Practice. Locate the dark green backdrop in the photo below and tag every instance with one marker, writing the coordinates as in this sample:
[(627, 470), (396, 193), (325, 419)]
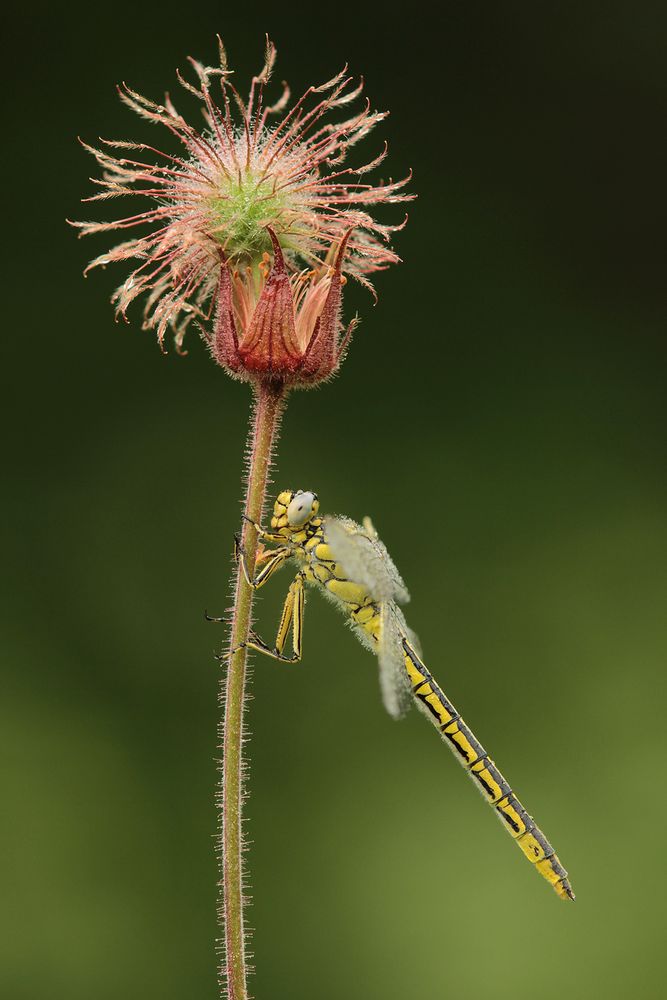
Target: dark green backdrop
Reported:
[(510, 389)]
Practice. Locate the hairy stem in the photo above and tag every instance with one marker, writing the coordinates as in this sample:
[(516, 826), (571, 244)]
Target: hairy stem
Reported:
[(233, 969)]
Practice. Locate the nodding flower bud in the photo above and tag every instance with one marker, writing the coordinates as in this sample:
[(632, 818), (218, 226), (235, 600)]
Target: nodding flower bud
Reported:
[(279, 326), (242, 187)]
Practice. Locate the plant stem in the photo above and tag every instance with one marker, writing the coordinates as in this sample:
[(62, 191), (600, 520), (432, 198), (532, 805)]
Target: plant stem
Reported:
[(269, 398)]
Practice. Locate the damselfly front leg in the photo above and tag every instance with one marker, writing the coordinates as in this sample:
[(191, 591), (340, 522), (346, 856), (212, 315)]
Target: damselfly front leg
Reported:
[(271, 561), (263, 534)]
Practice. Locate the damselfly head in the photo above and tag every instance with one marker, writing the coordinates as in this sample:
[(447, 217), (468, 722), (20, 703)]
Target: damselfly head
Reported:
[(294, 508)]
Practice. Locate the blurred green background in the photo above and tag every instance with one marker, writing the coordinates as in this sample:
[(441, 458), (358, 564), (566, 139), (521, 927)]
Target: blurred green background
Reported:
[(501, 416)]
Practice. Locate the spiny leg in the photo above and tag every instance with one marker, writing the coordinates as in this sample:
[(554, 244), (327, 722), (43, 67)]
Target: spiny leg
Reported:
[(292, 616), (272, 561), (262, 533)]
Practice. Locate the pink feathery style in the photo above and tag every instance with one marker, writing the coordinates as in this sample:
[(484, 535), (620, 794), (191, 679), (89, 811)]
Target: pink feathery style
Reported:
[(255, 227)]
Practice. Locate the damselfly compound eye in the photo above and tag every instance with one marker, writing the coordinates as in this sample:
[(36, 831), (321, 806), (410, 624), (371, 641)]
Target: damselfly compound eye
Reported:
[(302, 508)]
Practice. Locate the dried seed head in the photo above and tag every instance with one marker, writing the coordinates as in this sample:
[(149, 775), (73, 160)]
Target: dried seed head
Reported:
[(247, 189)]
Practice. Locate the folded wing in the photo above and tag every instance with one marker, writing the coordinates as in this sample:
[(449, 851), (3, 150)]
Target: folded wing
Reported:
[(394, 682), (365, 559)]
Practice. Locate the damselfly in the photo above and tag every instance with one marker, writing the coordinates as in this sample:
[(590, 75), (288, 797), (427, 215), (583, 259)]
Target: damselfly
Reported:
[(351, 566)]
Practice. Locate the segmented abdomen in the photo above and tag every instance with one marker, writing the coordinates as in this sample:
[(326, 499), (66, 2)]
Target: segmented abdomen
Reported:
[(485, 774)]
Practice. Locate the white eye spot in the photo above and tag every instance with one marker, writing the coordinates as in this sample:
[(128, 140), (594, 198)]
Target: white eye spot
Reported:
[(300, 508)]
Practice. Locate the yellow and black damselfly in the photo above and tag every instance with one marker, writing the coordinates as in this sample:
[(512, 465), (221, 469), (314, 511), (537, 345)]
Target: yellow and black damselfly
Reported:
[(352, 567)]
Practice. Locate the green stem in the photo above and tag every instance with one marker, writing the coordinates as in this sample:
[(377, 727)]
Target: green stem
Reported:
[(269, 400)]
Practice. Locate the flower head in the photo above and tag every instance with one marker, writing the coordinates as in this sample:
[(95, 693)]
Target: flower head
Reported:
[(255, 225)]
